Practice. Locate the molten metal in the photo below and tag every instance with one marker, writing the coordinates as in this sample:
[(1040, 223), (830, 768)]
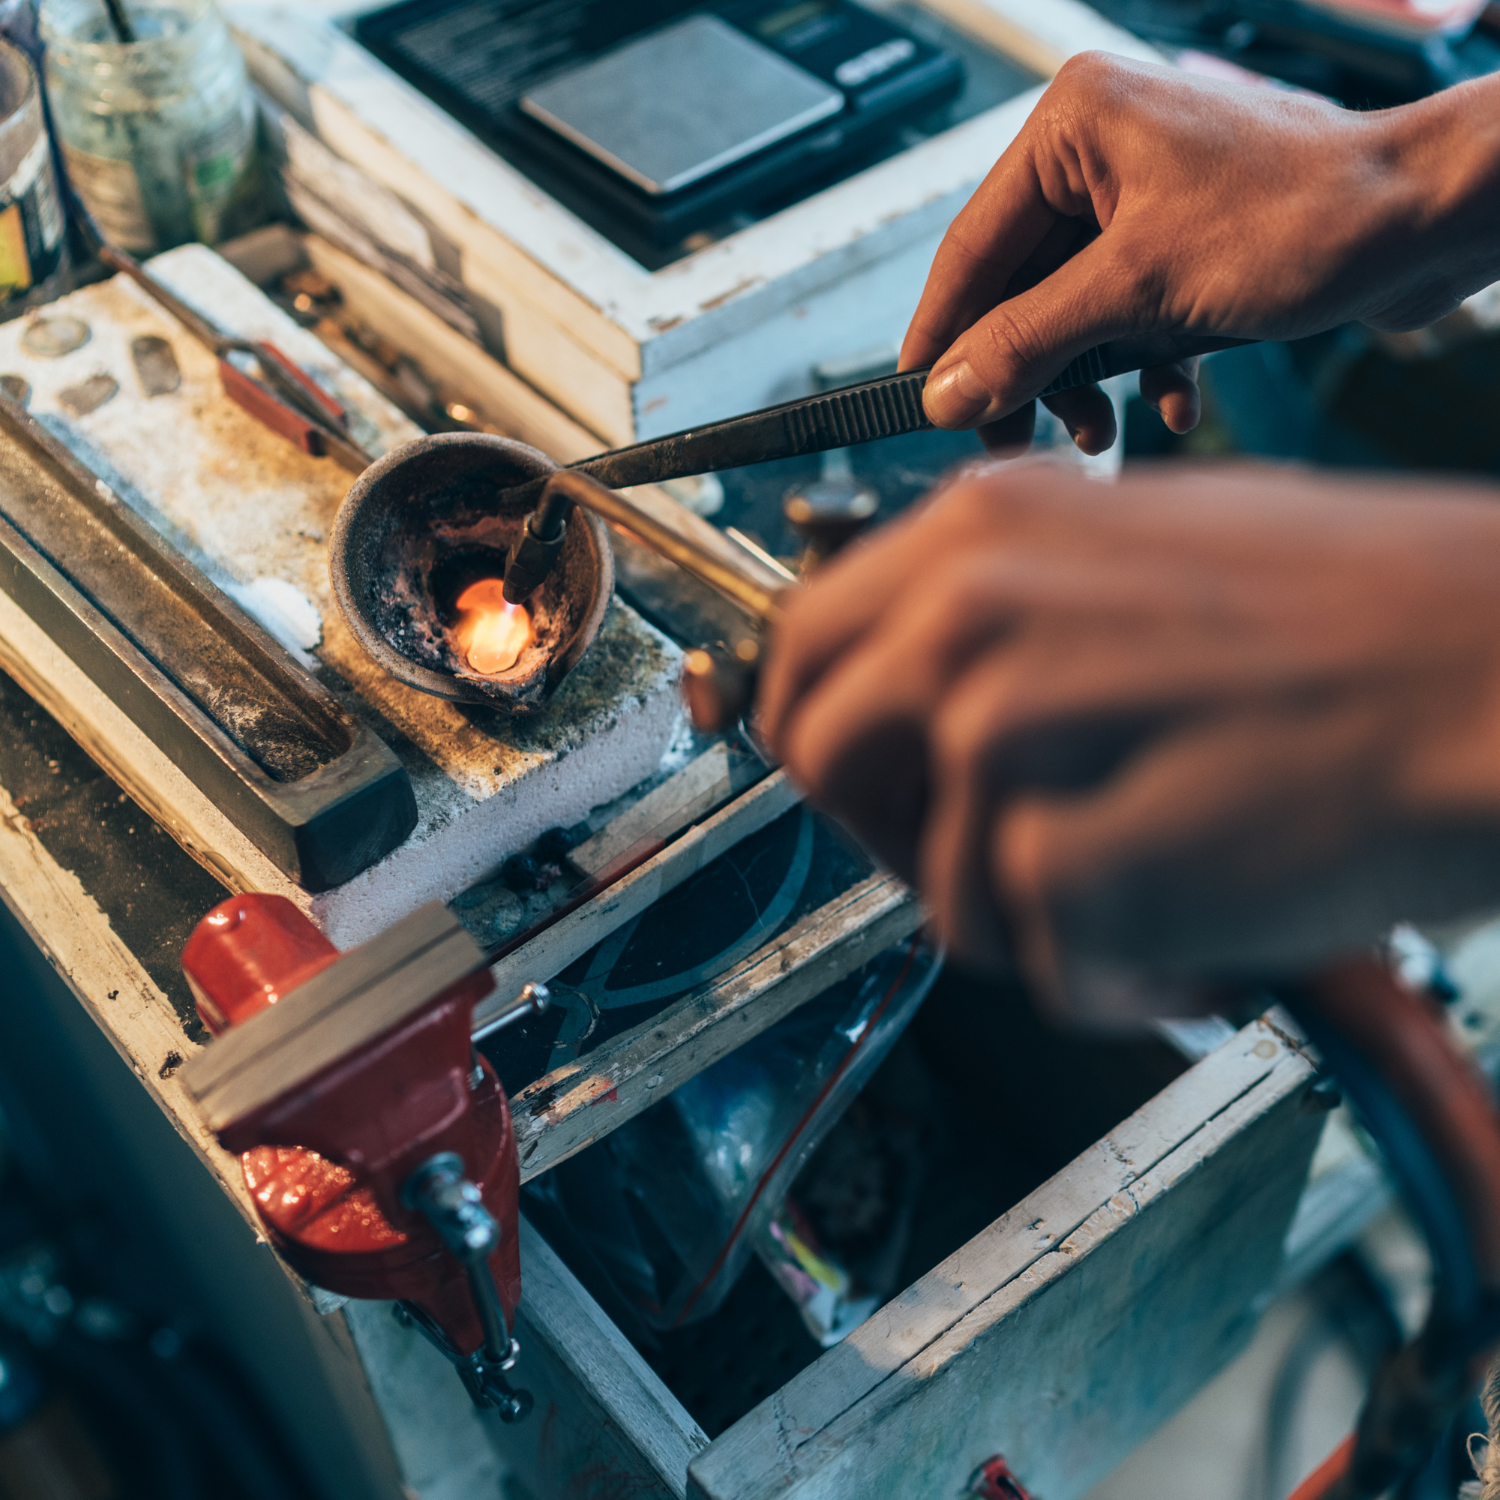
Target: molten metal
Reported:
[(490, 632)]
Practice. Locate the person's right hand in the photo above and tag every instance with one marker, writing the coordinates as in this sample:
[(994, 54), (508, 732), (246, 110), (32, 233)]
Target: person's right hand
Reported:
[(1137, 201)]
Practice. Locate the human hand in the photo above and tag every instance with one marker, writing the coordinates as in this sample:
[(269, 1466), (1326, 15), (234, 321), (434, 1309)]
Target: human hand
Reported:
[(1196, 723), (1139, 202)]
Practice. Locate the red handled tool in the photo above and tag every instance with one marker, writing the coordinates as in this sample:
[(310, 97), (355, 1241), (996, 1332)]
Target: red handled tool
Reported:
[(255, 374), (376, 1143)]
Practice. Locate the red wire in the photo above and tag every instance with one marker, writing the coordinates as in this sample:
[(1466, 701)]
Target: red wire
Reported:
[(1327, 1474), (787, 1144)]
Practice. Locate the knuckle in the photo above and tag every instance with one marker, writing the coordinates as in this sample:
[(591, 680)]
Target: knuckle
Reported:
[(1012, 343)]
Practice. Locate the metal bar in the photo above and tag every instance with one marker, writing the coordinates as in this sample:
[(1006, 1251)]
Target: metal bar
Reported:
[(570, 487)]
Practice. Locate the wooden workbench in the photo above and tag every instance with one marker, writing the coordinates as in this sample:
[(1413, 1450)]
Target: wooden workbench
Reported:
[(1042, 1329)]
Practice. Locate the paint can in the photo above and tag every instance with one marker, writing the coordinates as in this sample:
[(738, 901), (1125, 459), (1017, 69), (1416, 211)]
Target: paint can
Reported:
[(33, 248)]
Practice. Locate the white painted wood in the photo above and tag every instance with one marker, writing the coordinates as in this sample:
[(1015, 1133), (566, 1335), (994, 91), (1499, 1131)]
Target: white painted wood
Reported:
[(462, 370), (604, 1423), (702, 784), (440, 1441), (550, 952), (1070, 1328), (75, 936), (576, 1104), (589, 326)]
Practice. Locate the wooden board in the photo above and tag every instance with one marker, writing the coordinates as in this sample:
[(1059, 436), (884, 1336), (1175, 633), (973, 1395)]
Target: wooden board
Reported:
[(550, 952), (635, 353), (576, 1104), (1074, 1325)]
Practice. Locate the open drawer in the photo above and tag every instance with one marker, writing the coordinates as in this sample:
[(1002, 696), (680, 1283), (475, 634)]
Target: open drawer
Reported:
[(1058, 1336)]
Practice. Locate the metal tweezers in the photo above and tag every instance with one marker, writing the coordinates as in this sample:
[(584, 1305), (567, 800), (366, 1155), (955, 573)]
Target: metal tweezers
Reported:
[(885, 407)]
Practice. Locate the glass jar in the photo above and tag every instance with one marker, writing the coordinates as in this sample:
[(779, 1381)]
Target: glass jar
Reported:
[(158, 134), (32, 252)]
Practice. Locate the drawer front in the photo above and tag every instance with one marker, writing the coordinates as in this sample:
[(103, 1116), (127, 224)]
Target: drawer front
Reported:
[(1073, 1326), (1043, 1338)]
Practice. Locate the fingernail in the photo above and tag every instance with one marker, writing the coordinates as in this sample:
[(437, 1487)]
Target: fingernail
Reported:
[(954, 397)]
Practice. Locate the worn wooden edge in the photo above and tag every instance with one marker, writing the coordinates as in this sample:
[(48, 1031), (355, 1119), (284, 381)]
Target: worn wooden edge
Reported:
[(536, 252), (130, 757), (462, 369), (934, 1320), (551, 951), (575, 1105), (1041, 37), (1069, 1310), (601, 1358), (76, 937), (680, 800)]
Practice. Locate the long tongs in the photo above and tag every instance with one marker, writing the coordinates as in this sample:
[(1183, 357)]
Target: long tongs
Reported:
[(255, 374)]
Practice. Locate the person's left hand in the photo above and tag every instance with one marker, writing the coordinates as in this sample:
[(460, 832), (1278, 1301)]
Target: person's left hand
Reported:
[(1196, 722)]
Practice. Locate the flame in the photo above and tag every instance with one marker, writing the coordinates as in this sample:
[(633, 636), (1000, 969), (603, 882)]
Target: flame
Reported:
[(491, 632)]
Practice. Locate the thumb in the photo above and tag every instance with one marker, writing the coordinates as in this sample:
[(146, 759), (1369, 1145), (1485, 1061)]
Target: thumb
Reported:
[(1019, 346)]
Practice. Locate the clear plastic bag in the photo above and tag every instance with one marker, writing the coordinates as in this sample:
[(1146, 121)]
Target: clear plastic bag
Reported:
[(667, 1210)]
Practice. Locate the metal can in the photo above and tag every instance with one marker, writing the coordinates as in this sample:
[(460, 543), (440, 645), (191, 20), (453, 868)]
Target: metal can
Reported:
[(32, 248)]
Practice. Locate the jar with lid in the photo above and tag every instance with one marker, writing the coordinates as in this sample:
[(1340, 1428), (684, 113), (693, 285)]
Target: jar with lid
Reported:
[(32, 250), (157, 134)]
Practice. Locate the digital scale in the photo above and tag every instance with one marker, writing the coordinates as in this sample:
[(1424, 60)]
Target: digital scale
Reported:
[(665, 117)]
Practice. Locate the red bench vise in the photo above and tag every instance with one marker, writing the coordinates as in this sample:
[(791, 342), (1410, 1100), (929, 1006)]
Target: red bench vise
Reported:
[(375, 1141)]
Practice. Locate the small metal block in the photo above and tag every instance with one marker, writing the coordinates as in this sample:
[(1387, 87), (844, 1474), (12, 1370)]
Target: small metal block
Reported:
[(156, 365), (88, 395), (51, 338)]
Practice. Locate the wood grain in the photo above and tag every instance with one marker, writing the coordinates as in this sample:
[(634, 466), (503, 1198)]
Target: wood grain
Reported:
[(1044, 1337), (575, 1105)]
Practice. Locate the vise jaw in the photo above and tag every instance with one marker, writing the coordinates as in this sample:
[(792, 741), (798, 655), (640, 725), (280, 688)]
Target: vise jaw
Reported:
[(375, 1142)]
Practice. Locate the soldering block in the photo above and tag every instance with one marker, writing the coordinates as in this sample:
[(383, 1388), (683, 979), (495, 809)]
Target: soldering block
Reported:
[(255, 513)]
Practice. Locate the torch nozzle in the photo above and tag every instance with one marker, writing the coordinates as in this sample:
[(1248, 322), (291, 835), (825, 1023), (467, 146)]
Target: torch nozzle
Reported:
[(542, 538)]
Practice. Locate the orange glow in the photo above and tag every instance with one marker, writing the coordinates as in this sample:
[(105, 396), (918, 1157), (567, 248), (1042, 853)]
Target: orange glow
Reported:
[(491, 632)]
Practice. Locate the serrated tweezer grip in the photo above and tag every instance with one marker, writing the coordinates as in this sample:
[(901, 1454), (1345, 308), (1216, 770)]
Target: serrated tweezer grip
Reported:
[(886, 407)]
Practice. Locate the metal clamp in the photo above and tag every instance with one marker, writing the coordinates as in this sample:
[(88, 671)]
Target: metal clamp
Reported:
[(453, 1205)]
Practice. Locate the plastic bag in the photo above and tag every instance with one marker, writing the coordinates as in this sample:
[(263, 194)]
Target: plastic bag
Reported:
[(667, 1210)]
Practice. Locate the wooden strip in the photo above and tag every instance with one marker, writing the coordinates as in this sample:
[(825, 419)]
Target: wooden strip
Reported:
[(1021, 1237), (1041, 37), (66, 924), (573, 1106), (461, 369), (617, 1409), (1072, 1343), (551, 951), (702, 784)]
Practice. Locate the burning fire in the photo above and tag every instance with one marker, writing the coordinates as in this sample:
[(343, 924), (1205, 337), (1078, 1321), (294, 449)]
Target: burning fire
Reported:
[(491, 632)]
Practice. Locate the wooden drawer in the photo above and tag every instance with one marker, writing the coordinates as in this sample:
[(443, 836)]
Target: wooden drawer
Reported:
[(1059, 1336)]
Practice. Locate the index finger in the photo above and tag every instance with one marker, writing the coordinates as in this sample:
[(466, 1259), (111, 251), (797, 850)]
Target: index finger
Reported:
[(1008, 222)]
